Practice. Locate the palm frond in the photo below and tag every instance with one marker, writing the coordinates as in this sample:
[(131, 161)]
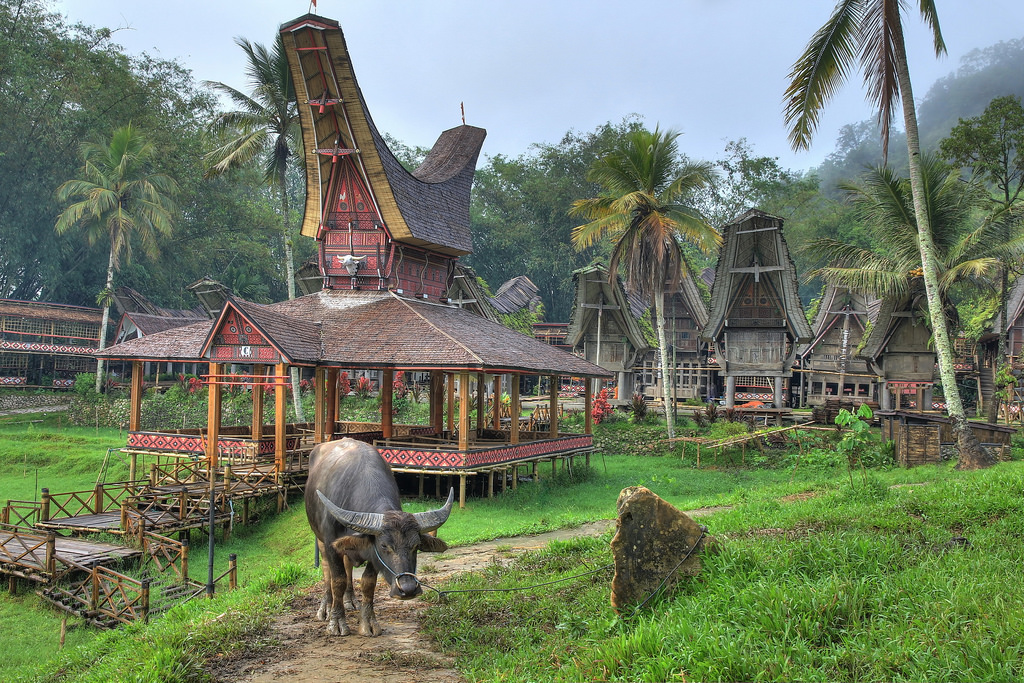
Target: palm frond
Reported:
[(821, 70)]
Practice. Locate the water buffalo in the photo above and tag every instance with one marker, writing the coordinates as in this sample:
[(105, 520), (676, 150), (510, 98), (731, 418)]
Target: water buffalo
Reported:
[(353, 507)]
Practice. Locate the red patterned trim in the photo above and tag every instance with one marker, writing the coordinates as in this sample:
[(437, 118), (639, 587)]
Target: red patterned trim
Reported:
[(191, 443), (6, 345), (13, 381), (408, 457)]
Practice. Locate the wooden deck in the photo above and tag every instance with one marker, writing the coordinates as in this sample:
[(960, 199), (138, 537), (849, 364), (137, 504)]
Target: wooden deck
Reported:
[(39, 556)]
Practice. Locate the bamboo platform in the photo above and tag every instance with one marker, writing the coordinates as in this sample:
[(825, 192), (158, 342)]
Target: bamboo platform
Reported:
[(28, 554)]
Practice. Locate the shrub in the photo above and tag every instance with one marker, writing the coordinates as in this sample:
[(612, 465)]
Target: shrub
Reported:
[(363, 388), (602, 408), (638, 407), (344, 385)]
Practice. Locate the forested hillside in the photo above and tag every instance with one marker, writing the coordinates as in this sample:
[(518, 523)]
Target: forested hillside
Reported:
[(62, 85)]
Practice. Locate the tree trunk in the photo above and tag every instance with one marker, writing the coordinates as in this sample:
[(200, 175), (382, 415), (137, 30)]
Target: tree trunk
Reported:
[(289, 268), (100, 363), (972, 454), (659, 315), (994, 403)]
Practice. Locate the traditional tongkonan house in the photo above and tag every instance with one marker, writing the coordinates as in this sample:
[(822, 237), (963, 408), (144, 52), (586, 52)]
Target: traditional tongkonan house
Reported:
[(604, 327), (898, 350), (829, 367), (388, 244), (685, 317), (756, 322)]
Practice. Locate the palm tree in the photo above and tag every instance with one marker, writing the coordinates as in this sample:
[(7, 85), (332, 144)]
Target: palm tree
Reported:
[(643, 182), (121, 200), (883, 201), (263, 129), (871, 32)]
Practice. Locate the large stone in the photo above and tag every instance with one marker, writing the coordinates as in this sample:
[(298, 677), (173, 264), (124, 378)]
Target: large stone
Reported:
[(650, 542)]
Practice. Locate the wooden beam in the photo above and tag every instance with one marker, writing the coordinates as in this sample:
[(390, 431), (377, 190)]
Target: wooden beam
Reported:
[(387, 388), (213, 420), (280, 416), (463, 411), (513, 436), (135, 411), (496, 418), (319, 403), (451, 401), (437, 400), (553, 407), (257, 401), (481, 402), (332, 403)]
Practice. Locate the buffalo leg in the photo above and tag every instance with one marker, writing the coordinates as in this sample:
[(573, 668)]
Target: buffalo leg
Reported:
[(368, 625), (336, 625), (325, 600), (350, 594)]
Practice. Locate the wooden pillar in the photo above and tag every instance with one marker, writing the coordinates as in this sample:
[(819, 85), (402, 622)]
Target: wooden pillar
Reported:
[(513, 436), (463, 411), (387, 389), (481, 403), (462, 490), (730, 391), (437, 400), (553, 407), (135, 412), (588, 407), (332, 403), (258, 372), (213, 420), (497, 402), (280, 416), (319, 403), (451, 402)]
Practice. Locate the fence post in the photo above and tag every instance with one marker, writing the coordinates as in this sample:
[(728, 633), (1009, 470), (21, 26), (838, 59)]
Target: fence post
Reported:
[(94, 599), (97, 499), (232, 571), (51, 553), (44, 505), (145, 600), (184, 557), (5, 514), (152, 474)]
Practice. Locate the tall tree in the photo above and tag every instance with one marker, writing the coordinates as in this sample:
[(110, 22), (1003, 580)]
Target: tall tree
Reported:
[(120, 200), (992, 146), (644, 184), (871, 32), (264, 129)]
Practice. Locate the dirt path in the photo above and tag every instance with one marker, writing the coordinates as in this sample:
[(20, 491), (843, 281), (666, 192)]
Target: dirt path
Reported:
[(297, 648)]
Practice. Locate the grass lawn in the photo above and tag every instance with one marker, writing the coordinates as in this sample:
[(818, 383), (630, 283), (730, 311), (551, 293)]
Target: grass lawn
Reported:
[(856, 582)]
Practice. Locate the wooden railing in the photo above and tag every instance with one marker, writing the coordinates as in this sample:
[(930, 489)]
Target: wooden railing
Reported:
[(20, 513), (103, 498), (29, 554), (155, 509), (177, 472), (103, 593)]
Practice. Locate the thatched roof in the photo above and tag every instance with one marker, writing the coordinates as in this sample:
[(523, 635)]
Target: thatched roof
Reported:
[(428, 207), (373, 330), (591, 287), (862, 307), (754, 247)]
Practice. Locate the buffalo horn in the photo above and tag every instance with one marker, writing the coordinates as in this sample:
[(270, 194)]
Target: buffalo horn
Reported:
[(363, 522), (432, 519)]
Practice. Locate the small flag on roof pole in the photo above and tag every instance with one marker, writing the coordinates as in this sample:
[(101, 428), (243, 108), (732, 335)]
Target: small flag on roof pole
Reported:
[(462, 107), (312, 5)]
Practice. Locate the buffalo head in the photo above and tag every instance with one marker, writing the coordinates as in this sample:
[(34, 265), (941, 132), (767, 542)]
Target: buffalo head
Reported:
[(351, 263), (390, 540)]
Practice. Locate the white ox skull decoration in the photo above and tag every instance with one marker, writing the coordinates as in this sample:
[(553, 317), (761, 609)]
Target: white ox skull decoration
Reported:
[(351, 263)]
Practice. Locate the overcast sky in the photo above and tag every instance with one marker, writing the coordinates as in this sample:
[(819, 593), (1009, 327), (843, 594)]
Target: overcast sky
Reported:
[(530, 70)]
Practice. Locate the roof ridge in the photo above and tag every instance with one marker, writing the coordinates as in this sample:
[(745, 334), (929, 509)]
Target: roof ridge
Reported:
[(457, 342)]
